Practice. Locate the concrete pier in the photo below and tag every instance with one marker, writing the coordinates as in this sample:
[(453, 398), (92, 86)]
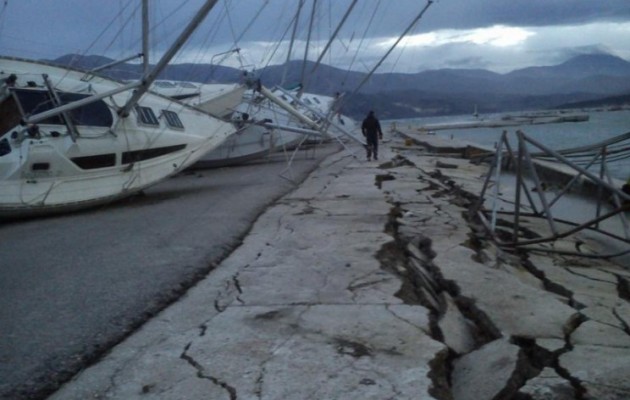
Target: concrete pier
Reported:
[(368, 282)]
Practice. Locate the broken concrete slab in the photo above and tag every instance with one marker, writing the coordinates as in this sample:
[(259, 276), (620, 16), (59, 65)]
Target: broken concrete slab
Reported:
[(602, 371), (596, 333), (516, 308), (486, 372), (457, 330), (548, 385)]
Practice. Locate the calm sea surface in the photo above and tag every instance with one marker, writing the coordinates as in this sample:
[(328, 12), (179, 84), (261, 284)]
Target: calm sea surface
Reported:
[(601, 125)]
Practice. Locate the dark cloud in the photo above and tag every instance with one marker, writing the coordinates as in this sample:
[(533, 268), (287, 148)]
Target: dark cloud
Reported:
[(473, 14), (51, 28)]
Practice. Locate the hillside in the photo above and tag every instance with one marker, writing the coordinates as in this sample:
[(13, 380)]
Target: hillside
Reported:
[(580, 80)]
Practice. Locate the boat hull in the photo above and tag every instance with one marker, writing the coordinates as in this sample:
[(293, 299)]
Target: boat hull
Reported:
[(54, 171)]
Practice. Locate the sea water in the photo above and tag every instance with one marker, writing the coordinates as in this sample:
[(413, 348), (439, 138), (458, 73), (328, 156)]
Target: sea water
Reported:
[(601, 125)]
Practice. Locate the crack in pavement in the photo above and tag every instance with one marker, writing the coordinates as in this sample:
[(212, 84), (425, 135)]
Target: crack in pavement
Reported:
[(202, 374), (394, 257)]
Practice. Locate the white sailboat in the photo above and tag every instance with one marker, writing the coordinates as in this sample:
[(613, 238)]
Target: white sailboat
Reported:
[(252, 138), (70, 140), (218, 99)]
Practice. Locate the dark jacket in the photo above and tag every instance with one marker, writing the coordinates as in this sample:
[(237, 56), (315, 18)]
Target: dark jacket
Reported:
[(371, 127)]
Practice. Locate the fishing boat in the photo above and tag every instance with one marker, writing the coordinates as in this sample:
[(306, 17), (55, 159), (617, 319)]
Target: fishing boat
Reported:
[(71, 139)]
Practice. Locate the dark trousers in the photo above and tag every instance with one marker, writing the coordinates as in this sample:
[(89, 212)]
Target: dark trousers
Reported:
[(372, 146)]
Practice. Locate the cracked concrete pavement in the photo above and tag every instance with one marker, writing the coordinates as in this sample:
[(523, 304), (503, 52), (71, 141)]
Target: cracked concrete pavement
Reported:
[(369, 282)]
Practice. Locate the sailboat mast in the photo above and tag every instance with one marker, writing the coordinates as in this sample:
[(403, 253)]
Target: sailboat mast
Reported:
[(295, 25), (145, 37), (151, 76), (308, 43)]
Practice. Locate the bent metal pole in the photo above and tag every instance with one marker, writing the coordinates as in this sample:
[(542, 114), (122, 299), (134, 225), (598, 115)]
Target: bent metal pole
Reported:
[(149, 77)]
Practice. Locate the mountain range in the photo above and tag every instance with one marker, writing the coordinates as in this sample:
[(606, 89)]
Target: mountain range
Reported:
[(584, 79)]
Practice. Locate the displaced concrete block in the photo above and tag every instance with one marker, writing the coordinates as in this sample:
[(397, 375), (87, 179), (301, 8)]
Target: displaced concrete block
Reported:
[(551, 345), (595, 333), (548, 385), (486, 372), (458, 332), (514, 307), (603, 371)]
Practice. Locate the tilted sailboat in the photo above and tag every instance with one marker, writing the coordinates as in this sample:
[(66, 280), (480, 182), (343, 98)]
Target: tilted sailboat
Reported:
[(70, 140)]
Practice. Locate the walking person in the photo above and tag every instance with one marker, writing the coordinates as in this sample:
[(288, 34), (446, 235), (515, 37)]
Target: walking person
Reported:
[(371, 129)]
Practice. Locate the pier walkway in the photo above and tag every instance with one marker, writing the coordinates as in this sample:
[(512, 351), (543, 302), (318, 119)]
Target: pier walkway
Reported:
[(368, 282)]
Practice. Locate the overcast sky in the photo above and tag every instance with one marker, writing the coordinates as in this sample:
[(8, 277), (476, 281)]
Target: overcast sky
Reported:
[(498, 35)]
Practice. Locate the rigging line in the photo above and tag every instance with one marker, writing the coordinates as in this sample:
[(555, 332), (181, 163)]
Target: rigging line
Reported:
[(98, 37), (251, 23), (237, 39), (277, 46), (360, 46), (413, 23), (395, 63), (198, 57), (332, 38), (120, 30), (265, 52), (229, 19)]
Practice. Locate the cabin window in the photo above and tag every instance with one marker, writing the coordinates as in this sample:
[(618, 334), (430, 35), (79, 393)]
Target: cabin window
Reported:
[(93, 114), (172, 119), (94, 162), (42, 166), (187, 85), (146, 116), (164, 84), (129, 157), (9, 115), (316, 100), (5, 147), (307, 101)]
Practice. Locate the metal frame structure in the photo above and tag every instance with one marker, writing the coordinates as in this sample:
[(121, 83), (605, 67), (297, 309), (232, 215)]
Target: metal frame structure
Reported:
[(524, 163)]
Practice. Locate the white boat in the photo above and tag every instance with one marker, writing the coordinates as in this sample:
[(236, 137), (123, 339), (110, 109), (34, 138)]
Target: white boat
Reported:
[(218, 99), (251, 141), (70, 140)]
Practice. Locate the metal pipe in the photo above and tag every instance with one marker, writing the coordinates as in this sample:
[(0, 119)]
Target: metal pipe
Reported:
[(72, 129), (112, 64), (272, 97), (527, 194), (541, 193), (295, 25), (320, 115), (571, 231), (79, 103), (577, 168), (292, 129), (571, 182), (519, 181), (497, 180)]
